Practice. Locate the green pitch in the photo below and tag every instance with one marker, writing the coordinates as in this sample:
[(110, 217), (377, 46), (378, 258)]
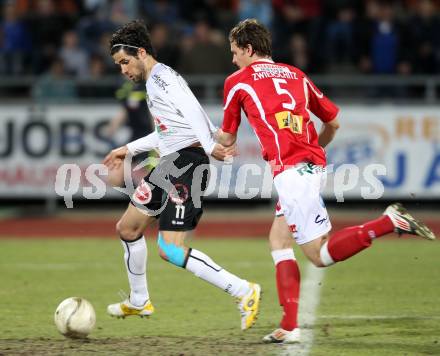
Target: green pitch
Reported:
[(383, 302)]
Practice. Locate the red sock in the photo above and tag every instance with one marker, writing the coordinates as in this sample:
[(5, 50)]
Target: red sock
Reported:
[(351, 240), (288, 279)]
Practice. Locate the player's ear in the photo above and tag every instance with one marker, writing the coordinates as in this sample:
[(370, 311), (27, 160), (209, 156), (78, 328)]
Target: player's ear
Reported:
[(249, 50), (142, 53)]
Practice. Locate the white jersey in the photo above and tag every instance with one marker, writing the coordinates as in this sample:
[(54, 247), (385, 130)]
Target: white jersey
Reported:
[(179, 119)]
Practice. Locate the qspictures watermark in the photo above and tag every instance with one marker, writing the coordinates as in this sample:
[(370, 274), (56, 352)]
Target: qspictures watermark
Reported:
[(224, 180)]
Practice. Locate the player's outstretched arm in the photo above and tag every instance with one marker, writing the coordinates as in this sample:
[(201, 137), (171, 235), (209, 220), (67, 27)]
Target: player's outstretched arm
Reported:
[(222, 153), (328, 132)]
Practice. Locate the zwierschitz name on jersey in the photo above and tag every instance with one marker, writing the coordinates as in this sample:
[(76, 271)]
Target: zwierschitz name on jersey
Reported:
[(269, 70), (179, 119)]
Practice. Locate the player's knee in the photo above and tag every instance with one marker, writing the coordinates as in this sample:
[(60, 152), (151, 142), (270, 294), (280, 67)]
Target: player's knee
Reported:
[(280, 244), (162, 254), (171, 252), (119, 227), (315, 258), (126, 232)]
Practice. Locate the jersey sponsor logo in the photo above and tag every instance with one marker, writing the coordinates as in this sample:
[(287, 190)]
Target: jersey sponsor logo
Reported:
[(162, 84), (306, 168), (310, 168), (179, 194), (286, 120), (160, 127), (142, 195)]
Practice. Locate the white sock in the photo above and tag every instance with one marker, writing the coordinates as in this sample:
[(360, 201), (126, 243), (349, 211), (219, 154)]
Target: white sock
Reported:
[(135, 258), (205, 268), (282, 255), (325, 256)]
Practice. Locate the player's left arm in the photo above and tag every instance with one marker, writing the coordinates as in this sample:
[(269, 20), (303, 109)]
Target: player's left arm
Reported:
[(328, 132), (325, 110)]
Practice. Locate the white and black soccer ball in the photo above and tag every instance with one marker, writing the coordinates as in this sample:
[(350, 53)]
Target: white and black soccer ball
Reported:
[(75, 317)]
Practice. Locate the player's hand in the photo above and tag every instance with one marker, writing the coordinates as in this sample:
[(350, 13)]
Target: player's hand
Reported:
[(223, 153), (224, 138), (114, 158)]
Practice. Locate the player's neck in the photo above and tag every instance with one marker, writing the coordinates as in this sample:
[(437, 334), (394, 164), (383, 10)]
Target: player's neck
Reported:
[(259, 59), (150, 62)]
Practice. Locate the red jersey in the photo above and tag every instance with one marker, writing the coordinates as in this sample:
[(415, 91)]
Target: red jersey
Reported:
[(276, 99)]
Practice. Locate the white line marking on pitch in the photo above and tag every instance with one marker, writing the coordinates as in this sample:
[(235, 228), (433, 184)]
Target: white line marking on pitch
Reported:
[(378, 317), (308, 303)]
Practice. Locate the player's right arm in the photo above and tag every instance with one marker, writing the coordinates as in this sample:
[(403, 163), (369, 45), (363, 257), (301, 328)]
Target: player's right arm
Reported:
[(227, 135), (144, 144)]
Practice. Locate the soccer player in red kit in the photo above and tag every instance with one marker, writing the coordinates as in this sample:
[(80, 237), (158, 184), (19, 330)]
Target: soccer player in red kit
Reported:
[(277, 99)]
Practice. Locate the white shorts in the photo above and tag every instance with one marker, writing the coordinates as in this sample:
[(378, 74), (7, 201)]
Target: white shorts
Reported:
[(299, 191)]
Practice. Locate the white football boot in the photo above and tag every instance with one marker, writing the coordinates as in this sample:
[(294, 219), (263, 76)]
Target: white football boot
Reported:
[(125, 308), (404, 223), (281, 336), (249, 306)]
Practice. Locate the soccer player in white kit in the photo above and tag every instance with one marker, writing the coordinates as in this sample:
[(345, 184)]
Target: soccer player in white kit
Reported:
[(277, 99), (172, 192)]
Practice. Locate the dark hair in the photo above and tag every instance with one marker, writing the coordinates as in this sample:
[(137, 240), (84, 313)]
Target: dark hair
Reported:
[(251, 32), (133, 33)]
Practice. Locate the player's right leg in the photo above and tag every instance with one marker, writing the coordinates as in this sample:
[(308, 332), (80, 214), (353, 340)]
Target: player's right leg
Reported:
[(131, 227), (287, 280)]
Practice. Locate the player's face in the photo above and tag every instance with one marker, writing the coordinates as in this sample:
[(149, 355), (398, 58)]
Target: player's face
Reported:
[(133, 68), (241, 57)]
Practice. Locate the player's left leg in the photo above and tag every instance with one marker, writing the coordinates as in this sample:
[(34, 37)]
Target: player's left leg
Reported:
[(347, 242), (172, 249), (182, 211)]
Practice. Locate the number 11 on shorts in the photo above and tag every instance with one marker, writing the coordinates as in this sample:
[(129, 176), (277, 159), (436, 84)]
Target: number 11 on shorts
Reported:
[(180, 211)]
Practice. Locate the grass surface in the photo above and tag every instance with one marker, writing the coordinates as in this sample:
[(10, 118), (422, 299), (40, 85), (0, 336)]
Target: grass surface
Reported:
[(383, 302)]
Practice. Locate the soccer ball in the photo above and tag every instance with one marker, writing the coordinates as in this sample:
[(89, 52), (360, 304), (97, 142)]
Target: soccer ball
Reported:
[(75, 317)]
